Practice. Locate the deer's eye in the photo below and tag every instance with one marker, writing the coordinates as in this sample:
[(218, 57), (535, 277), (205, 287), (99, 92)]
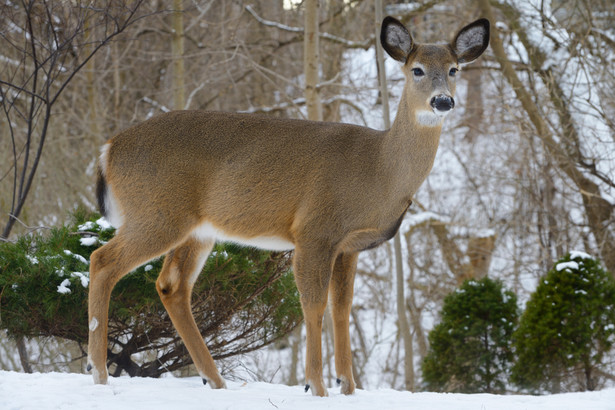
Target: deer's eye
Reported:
[(452, 72), (418, 72)]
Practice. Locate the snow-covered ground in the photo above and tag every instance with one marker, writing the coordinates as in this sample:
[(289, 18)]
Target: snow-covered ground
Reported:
[(77, 391)]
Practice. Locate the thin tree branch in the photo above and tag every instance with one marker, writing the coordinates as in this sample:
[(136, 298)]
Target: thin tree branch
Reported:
[(365, 44)]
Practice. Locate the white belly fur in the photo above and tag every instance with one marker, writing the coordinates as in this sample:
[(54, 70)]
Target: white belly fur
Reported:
[(271, 243)]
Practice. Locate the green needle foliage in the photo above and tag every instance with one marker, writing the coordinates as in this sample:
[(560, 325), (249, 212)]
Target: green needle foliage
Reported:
[(470, 349), (567, 328), (244, 299)]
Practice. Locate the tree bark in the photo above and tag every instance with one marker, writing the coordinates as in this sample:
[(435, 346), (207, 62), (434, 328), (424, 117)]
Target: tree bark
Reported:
[(177, 42), (295, 338), (311, 61), (91, 84), (23, 354)]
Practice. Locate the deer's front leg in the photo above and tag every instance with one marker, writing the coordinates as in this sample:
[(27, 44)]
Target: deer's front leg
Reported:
[(312, 275), (340, 294)]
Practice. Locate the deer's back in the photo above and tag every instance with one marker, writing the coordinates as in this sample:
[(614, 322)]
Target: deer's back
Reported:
[(218, 166)]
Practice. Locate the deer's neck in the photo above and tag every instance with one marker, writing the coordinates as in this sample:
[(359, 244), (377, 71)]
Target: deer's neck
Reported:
[(410, 148)]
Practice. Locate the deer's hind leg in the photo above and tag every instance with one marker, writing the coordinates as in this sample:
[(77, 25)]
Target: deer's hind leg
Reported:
[(181, 268), (126, 251)]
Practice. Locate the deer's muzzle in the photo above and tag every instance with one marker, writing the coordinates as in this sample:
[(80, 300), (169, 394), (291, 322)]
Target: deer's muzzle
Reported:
[(442, 104)]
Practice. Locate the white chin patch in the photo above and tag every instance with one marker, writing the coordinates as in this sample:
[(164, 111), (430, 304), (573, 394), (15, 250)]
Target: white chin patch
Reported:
[(430, 118)]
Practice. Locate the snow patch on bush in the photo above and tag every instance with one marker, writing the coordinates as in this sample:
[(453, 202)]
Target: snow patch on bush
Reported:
[(104, 224), (64, 287), (77, 256), (579, 254), (90, 241), (84, 277), (566, 265)]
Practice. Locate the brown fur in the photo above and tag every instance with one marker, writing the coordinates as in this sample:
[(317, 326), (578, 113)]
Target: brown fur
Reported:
[(329, 189)]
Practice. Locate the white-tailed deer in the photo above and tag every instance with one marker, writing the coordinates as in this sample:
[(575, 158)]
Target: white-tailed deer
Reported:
[(181, 181)]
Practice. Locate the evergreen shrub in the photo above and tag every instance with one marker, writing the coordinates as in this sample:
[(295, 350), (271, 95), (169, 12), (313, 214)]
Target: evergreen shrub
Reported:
[(243, 300), (470, 349), (567, 329)]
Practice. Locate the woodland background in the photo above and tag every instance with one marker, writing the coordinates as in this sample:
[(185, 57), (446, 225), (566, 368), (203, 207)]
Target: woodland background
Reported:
[(524, 174)]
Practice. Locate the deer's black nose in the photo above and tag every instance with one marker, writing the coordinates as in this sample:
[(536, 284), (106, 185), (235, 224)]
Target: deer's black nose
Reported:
[(442, 103)]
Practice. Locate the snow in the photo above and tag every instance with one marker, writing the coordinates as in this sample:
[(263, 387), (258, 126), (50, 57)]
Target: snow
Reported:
[(91, 241), (88, 226), (412, 220), (567, 265), (77, 256), (579, 254), (93, 324), (104, 224), (64, 286), (84, 277), (77, 391)]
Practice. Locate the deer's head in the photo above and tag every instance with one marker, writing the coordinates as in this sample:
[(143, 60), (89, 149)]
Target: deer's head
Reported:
[(431, 69)]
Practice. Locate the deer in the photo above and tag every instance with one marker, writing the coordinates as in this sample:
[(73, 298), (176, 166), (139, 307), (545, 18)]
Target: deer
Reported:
[(179, 182)]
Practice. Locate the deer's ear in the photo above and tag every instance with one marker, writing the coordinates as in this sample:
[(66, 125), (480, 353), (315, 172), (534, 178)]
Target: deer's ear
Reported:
[(395, 39), (471, 41)]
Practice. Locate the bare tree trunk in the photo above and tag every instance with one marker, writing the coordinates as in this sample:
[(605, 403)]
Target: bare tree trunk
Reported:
[(117, 84), (311, 61), (91, 85), (474, 264), (357, 372), (479, 252), (419, 334), (294, 356), (179, 88), (382, 76), (404, 327), (597, 209), (328, 345), (474, 104), (23, 354), (332, 64), (415, 313), (311, 65)]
